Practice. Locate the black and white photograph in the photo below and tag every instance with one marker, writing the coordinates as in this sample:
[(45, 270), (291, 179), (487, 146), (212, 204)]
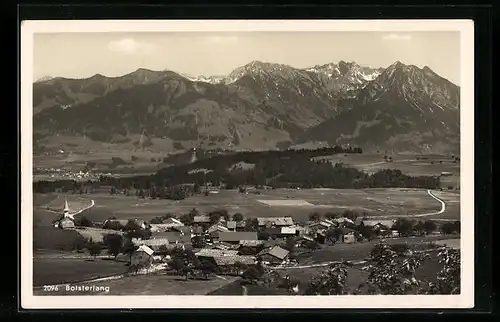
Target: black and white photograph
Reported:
[(212, 164)]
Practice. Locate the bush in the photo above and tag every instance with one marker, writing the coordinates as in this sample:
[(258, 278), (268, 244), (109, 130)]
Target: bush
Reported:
[(178, 145)]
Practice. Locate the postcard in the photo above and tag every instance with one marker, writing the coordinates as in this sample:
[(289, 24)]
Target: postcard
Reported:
[(243, 164)]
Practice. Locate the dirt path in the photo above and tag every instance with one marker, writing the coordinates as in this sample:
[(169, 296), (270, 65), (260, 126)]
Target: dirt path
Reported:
[(434, 213)]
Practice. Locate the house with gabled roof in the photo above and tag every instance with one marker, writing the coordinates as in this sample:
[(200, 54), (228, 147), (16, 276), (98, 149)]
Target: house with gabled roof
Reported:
[(142, 256), (378, 224), (234, 237), (167, 224), (201, 219), (235, 225), (275, 255), (214, 230), (320, 225), (172, 236)]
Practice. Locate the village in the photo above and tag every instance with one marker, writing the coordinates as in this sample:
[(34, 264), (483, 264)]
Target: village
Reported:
[(195, 245)]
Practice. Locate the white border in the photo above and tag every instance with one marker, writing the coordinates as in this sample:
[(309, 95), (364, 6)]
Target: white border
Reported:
[(465, 300)]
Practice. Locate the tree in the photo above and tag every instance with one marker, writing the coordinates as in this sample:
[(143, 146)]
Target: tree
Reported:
[(430, 226), (79, 243), (214, 217), (94, 249), (114, 243), (330, 215), (391, 273), (289, 244), (132, 226), (333, 281), (157, 220), (403, 226), (240, 267), (207, 268), (163, 249), (177, 264), (193, 213), (263, 235), (187, 219), (252, 224), (349, 214), (447, 228), (112, 224), (252, 274), (167, 215), (238, 217), (83, 222), (420, 228), (314, 216), (128, 248), (400, 249), (198, 242), (312, 245), (448, 279)]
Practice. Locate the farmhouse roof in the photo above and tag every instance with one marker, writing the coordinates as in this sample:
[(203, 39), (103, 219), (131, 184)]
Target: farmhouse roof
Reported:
[(216, 227), (373, 223), (343, 220), (122, 222), (305, 237), (231, 224), (276, 221), (173, 221), (273, 230), (146, 249), (211, 252), (66, 223), (182, 229), (150, 242), (171, 236), (233, 236), (251, 243), (275, 251), (201, 219), (231, 260), (164, 227), (322, 223), (288, 231)]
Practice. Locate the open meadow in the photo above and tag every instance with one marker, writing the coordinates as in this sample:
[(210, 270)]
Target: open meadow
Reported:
[(151, 284), (50, 271), (281, 202)]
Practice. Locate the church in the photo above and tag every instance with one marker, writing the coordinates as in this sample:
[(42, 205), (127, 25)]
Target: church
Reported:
[(66, 221)]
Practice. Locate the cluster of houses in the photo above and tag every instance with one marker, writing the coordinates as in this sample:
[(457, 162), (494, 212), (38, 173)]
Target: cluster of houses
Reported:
[(228, 245)]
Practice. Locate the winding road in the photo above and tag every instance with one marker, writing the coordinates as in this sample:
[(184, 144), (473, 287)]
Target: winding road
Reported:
[(434, 213), (443, 206)]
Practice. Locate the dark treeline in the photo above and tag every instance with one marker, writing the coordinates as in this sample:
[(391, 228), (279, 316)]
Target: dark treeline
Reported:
[(277, 169)]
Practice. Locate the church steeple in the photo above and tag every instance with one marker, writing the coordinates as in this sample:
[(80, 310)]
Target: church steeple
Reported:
[(66, 208)]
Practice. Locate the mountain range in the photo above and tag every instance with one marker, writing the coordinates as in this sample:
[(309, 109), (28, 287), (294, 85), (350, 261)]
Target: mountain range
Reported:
[(258, 106)]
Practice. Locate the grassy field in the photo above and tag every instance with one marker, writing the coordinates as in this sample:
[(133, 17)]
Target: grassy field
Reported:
[(47, 271), (375, 202), (360, 251), (154, 284)]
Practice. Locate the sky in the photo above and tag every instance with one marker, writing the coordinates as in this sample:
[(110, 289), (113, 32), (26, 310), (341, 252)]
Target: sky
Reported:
[(81, 55)]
